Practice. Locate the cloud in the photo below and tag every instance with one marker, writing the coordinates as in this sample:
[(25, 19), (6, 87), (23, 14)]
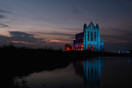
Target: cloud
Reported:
[(22, 42), (58, 34), (2, 25), (59, 37), (117, 39), (118, 34), (21, 38), (20, 34), (3, 11), (2, 16), (76, 10)]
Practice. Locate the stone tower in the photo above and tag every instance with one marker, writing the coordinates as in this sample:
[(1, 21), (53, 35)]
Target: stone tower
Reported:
[(91, 39)]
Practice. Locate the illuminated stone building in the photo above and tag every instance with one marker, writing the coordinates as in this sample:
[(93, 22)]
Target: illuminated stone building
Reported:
[(89, 39)]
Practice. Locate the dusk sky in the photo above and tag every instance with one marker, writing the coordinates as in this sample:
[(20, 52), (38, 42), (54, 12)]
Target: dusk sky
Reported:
[(53, 23)]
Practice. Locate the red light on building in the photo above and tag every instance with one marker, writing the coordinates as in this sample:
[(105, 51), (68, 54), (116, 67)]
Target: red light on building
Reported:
[(88, 47), (95, 46), (82, 62), (91, 47), (81, 47), (68, 47)]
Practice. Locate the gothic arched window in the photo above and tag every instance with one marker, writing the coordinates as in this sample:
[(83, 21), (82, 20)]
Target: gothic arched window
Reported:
[(88, 36), (95, 36), (91, 36), (92, 27)]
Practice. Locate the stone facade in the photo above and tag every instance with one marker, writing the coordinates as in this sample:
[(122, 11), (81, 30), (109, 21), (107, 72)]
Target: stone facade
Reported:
[(89, 39)]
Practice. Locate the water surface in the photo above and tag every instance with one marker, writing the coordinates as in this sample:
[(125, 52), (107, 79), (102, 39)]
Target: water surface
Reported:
[(96, 72)]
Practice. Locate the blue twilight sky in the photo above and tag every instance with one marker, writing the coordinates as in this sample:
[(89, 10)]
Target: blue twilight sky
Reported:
[(52, 23)]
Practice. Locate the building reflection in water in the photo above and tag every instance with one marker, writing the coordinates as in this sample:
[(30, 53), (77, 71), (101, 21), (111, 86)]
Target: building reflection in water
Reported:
[(91, 70)]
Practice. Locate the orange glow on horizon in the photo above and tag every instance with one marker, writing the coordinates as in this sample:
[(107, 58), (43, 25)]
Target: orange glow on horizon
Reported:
[(21, 42)]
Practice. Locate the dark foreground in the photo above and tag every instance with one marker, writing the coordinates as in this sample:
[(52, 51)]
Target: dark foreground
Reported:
[(19, 62)]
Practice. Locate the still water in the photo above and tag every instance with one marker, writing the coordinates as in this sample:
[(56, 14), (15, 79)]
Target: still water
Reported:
[(90, 73)]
